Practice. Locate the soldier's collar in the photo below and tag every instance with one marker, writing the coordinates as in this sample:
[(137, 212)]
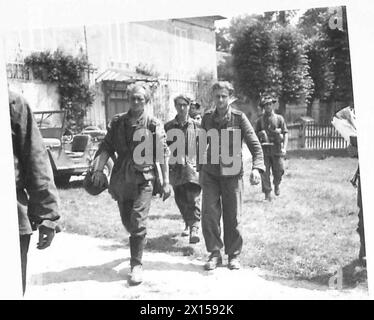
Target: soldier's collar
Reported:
[(227, 115), (184, 123), (141, 120)]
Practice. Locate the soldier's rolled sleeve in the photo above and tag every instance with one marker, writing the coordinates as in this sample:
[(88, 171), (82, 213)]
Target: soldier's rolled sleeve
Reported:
[(39, 182), (253, 144)]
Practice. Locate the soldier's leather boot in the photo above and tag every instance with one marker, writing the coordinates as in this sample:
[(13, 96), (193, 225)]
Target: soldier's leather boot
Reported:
[(277, 190), (234, 262), (268, 196), (194, 235), (136, 276), (215, 260), (185, 232), (136, 251)]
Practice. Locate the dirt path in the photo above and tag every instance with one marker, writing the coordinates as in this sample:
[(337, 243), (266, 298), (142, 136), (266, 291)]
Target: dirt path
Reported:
[(81, 267)]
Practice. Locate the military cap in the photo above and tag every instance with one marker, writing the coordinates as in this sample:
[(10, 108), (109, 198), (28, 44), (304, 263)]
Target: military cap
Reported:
[(89, 186), (266, 100)]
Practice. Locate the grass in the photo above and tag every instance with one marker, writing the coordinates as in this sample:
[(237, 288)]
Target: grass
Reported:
[(305, 234)]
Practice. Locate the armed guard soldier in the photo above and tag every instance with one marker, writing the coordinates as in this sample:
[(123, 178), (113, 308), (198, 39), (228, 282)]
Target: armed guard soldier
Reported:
[(272, 132)]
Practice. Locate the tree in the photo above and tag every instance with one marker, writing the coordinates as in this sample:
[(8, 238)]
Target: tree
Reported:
[(337, 43), (69, 74), (254, 62), (223, 41), (292, 62), (328, 54)]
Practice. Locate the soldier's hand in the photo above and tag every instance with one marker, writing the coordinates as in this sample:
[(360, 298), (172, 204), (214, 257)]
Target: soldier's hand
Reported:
[(46, 236), (98, 178), (283, 151), (166, 191), (255, 177)]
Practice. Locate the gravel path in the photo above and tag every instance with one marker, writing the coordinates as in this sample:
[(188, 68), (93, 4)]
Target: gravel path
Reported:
[(81, 267)]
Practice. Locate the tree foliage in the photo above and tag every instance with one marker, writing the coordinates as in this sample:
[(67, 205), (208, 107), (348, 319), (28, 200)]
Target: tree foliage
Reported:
[(271, 61), (69, 74), (292, 62), (328, 54), (254, 60)]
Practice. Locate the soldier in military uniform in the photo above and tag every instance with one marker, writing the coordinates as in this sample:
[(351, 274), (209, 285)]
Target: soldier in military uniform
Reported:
[(272, 132), (183, 176), (222, 188), (37, 196), (356, 182), (195, 111), (131, 183)]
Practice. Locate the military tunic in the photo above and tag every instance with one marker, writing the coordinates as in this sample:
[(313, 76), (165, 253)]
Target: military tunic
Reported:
[(273, 156)]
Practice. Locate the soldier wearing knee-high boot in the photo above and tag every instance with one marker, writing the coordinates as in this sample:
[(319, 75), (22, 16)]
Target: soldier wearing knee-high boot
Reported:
[(131, 183)]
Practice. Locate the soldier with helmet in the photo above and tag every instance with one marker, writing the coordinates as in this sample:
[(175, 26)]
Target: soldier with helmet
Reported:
[(272, 132)]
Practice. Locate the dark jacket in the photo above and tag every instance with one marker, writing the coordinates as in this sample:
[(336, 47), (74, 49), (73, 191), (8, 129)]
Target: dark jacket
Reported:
[(184, 173), (37, 197), (120, 144), (234, 119)]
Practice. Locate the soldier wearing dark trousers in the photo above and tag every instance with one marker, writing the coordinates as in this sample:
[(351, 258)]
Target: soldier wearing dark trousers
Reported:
[(360, 226), (183, 175), (273, 135), (356, 182), (222, 188), (132, 182), (37, 196)]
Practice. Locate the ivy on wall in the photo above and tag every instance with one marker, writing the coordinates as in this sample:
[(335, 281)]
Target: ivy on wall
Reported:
[(70, 75)]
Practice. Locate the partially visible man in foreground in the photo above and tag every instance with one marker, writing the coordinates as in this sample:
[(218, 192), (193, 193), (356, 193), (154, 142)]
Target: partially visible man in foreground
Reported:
[(37, 198)]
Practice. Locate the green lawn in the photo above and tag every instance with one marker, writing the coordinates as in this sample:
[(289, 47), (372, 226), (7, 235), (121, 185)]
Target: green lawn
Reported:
[(305, 234)]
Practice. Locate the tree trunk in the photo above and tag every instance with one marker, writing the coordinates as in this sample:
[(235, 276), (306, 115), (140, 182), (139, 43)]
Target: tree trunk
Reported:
[(282, 107)]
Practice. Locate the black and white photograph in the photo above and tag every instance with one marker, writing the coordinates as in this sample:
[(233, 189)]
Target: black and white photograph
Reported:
[(186, 157)]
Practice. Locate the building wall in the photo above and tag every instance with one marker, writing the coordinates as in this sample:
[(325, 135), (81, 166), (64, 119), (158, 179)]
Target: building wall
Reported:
[(40, 96), (180, 47)]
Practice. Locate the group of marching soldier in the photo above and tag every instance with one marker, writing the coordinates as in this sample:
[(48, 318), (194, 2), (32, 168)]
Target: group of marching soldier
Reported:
[(204, 191)]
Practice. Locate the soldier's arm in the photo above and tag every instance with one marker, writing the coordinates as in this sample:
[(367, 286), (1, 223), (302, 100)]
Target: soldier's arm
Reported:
[(38, 174), (285, 133), (253, 143)]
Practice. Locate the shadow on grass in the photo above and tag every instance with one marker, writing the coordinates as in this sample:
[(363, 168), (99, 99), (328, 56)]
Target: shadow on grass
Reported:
[(168, 216), (167, 243), (106, 272), (114, 247), (162, 265), (354, 275), (101, 273), (75, 184)]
